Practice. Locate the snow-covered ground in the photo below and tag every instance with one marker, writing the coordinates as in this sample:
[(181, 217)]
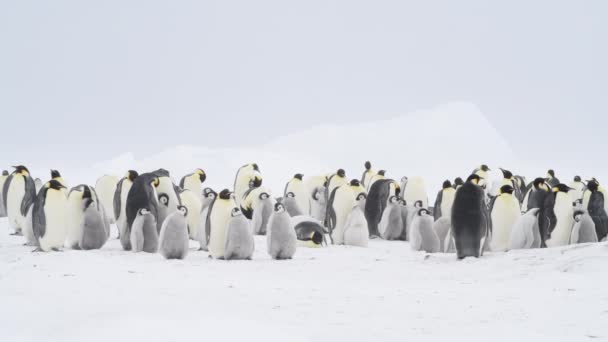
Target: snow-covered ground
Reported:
[(383, 293)]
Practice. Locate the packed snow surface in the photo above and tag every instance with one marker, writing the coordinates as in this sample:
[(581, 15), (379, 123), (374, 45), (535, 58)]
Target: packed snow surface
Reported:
[(382, 293)]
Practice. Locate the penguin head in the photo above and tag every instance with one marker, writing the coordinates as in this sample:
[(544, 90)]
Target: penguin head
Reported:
[(265, 195), (423, 212), (208, 191), (404, 180), (578, 214), (255, 167), (550, 174), (402, 202), (298, 176), (341, 173), (143, 211), (235, 212), (255, 181), (484, 168), (475, 179), (20, 169), (446, 184), (4, 173), (506, 189), (225, 194), (458, 181), (290, 195), (561, 188), (183, 210), (393, 199), (506, 173), (131, 175), (54, 184), (86, 192), (577, 178), (55, 174), (355, 182), (368, 166), (418, 204), (202, 176), (163, 199), (279, 208), (361, 196), (382, 172), (593, 185), (538, 183)]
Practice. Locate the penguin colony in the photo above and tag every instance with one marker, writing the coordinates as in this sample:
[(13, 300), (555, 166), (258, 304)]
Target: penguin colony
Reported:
[(155, 215)]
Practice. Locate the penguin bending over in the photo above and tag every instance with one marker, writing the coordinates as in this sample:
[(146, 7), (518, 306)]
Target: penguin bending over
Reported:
[(584, 230), (105, 187), (281, 237), (142, 195), (298, 188), (378, 176), (309, 232), (423, 236), (3, 179), (444, 200), (470, 226), (391, 223), (248, 176), (356, 232), (143, 235), (526, 234), (482, 172), (120, 204), (173, 238), (340, 204), (194, 182), (19, 193), (377, 200), (218, 217), (239, 237), (505, 213), (49, 217), (597, 211)]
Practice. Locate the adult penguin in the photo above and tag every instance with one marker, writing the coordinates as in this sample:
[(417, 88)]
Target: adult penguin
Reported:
[(94, 229), (597, 210), (291, 205), (391, 223), (509, 179), (194, 182), (3, 178), (560, 218), (520, 187), (143, 195), (247, 176), (201, 235), (444, 201), (482, 172), (458, 182), (526, 234), (505, 212), (356, 232), (376, 202), (415, 190), (105, 187), (340, 204), (239, 237), (584, 229), (120, 202), (310, 232), (281, 239), (423, 237), (470, 226), (167, 187), (56, 175), (578, 187), (334, 181), (79, 199), (48, 217), (19, 192), (297, 186), (173, 237), (535, 197), (218, 217), (367, 175), (192, 202), (551, 179), (378, 176)]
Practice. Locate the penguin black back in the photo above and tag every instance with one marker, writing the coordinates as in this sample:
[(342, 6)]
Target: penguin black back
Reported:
[(142, 195), (469, 224), (376, 203)]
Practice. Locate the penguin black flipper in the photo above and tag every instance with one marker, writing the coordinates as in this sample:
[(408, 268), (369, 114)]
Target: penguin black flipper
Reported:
[(330, 213), (437, 206), (117, 199), (208, 222), (178, 191), (30, 195), (38, 218), (547, 219), (183, 180), (598, 214), (7, 184), (376, 203)]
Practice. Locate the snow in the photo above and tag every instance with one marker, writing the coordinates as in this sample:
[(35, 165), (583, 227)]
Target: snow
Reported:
[(385, 292)]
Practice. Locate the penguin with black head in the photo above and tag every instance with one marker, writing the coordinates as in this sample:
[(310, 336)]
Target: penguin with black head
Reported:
[(470, 226)]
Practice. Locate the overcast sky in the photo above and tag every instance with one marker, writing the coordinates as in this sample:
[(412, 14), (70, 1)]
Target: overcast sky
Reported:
[(107, 77)]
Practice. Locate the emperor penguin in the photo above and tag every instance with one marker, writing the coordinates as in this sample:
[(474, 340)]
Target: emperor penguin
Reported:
[(412, 211), (297, 186), (558, 234), (167, 187), (551, 179), (508, 179), (94, 228), (48, 217), (578, 187), (376, 202), (248, 176), (404, 216), (482, 172), (309, 232), (192, 202), (105, 187), (194, 182), (173, 238), (291, 205), (458, 182), (218, 217), (3, 178), (143, 195), (444, 201), (335, 180), (470, 226), (367, 175), (526, 234), (378, 176), (442, 228), (38, 184), (143, 235), (201, 235), (239, 237), (520, 187), (316, 187), (120, 202), (79, 199), (281, 238), (57, 176), (19, 193), (415, 190), (391, 223), (536, 194), (356, 232), (584, 230), (505, 212), (423, 236), (340, 204), (597, 210), (258, 206)]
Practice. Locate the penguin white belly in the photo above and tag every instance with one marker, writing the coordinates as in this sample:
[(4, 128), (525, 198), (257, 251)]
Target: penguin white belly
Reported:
[(415, 190), (505, 213), (586, 197), (121, 222), (105, 188), (27, 228), (166, 186), (220, 216), (194, 184), (356, 232), (447, 200), (74, 214), (302, 199), (577, 193), (55, 221), (193, 204), (15, 194), (563, 229), (343, 204)]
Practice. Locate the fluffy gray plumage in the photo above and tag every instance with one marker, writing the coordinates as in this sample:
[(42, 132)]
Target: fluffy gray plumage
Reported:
[(143, 234), (173, 239), (239, 238), (281, 237), (442, 227), (584, 230)]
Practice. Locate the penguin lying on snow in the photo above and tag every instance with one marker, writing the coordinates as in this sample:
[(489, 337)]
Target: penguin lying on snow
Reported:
[(310, 233), (173, 238), (281, 238), (423, 237), (239, 237), (584, 230)]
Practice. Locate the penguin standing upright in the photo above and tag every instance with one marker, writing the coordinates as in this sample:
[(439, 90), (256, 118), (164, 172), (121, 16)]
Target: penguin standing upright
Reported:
[(444, 201), (458, 182), (192, 202), (169, 189), (340, 204), (142, 195), (291, 205), (56, 175), (415, 190), (536, 194), (482, 172), (333, 181), (377, 200), (194, 182), (442, 227), (3, 179), (316, 187), (105, 187), (551, 179), (578, 187), (248, 176), (584, 230), (404, 216), (520, 187), (239, 237), (48, 217), (281, 238), (525, 233), (297, 187), (412, 211), (391, 223), (201, 235), (120, 202), (470, 226), (257, 206), (173, 237), (423, 236), (597, 210), (94, 228), (378, 176), (505, 212), (509, 179), (218, 217), (560, 218), (143, 236), (367, 175), (356, 232), (78, 200), (19, 193)]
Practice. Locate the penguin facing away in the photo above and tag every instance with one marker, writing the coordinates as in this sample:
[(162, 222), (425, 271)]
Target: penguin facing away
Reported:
[(526, 234), (444, 200), (142, 195), (551, 179), (536, 195), (584, 230), (470, 228), (281, 237), (505, 213), (239, 237), (142, 234), (173, 238), (49, 218), (423, 237), (596, 209), (377, 200), (391, 223), (356, 232)]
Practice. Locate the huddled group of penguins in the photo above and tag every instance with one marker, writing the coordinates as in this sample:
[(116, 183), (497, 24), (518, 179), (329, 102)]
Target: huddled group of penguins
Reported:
[(155, 215)]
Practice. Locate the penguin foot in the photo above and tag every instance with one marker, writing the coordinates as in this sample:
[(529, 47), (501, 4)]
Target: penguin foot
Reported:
[(16, 234), (38, 249), (55, 249)]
